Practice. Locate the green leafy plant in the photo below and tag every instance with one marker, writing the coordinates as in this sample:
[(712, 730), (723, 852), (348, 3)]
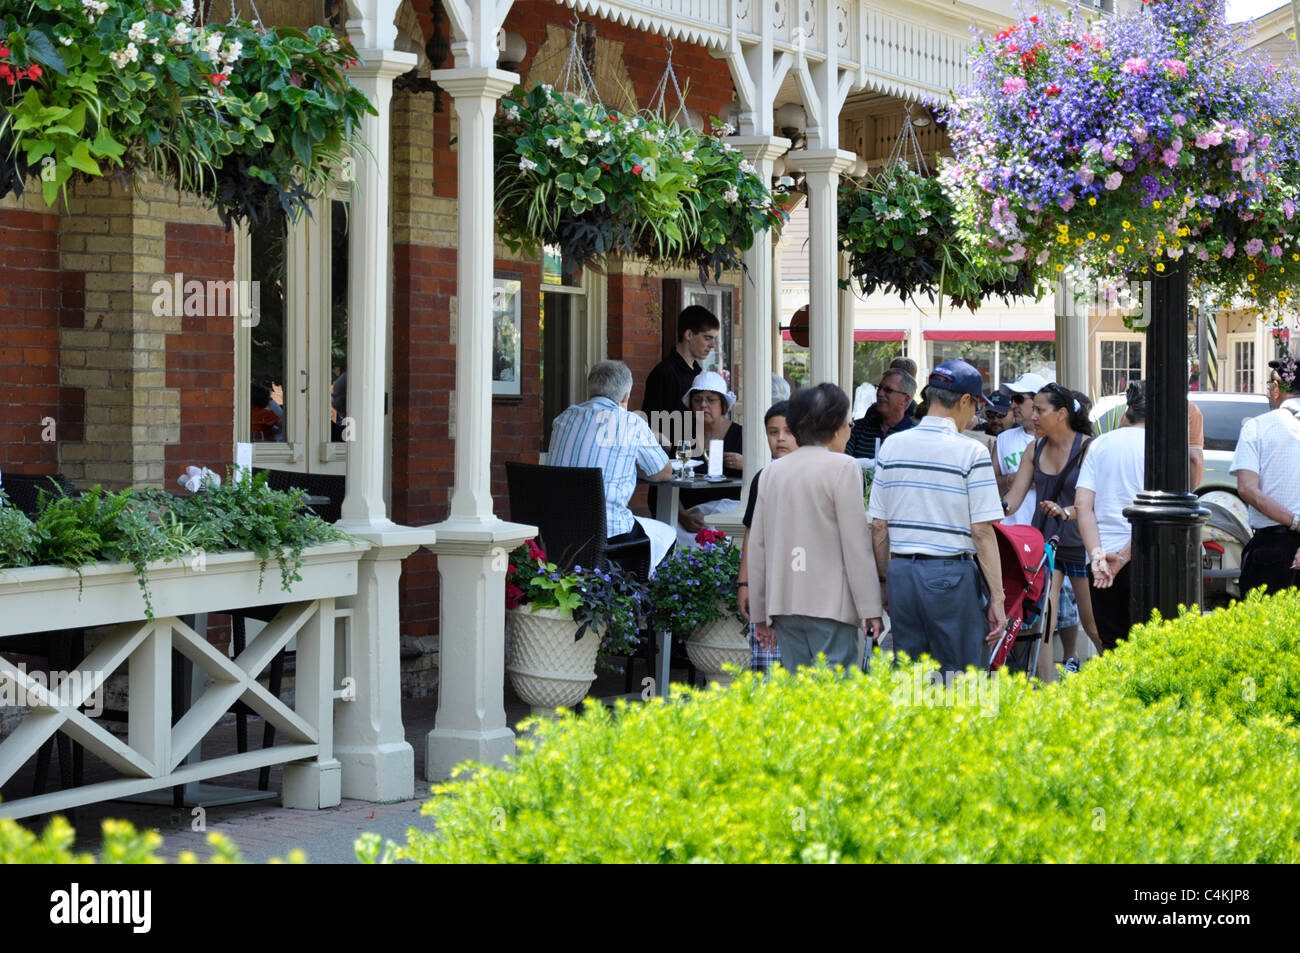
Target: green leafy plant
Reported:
[(899, 230), (597, 183), (693, 587), (608, 598), (251, 119), (121, 844), (144, 527)]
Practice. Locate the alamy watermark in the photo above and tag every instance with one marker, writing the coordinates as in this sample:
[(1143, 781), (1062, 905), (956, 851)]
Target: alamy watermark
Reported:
[(234, 298), (913, 687), (38, 689)]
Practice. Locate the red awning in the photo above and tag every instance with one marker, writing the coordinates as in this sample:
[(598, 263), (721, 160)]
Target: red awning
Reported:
[(1009, 334), (859, 335)]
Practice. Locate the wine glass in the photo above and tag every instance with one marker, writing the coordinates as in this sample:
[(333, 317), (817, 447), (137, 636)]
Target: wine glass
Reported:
[(684, 452)]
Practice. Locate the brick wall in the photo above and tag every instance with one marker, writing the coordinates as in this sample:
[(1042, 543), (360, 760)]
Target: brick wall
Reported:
[(31, 297), (200, 358)]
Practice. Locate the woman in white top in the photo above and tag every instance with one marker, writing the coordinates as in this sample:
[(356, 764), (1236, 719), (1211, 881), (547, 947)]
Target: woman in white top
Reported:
[(1110, 479)]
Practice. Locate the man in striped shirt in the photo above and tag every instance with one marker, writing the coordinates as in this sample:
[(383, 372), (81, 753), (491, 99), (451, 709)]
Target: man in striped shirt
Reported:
[(602, 433), (933, 505)]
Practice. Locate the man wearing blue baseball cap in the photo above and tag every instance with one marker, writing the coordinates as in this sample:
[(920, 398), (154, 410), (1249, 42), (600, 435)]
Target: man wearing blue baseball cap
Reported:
[(933, 505)]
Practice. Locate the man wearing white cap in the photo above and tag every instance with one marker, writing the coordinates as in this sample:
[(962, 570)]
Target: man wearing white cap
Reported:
[(1013, 443)]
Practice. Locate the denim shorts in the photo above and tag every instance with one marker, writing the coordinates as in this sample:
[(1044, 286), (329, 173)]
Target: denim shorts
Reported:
[(1068, 612), (1074, 570)]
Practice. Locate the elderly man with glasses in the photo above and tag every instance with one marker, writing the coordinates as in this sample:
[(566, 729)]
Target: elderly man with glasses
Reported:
[(1267, 467), (890, 414)]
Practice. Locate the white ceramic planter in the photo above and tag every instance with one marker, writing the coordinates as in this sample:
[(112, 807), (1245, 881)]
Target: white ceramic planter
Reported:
[(719, 643), (547, 667)]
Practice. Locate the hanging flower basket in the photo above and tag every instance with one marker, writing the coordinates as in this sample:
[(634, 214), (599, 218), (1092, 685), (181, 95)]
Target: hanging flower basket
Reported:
[(1122, 146), (899, 231), (597, 183), (252, 120)]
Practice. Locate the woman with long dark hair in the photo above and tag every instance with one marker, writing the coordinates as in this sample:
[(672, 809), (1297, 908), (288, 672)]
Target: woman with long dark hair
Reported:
[(1052, 470)]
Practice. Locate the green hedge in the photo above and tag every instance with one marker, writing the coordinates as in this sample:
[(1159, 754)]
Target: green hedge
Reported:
[(1244, 660), (121, 844), (1132, 763)]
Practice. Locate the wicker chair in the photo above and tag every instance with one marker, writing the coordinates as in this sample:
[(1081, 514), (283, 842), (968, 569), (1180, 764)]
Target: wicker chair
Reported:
[(567, 505)]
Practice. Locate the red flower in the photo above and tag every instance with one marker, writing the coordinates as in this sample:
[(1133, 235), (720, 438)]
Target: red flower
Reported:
[(1028, 60), (604, 165), (1053, 90), (34, 71), (535, 551), (514, 595), (217, 78), (636, 170), (1033, 19), (4, 51), (706, 536)]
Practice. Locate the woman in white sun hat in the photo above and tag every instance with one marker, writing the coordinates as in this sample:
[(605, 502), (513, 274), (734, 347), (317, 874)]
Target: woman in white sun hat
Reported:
[(710, 401)]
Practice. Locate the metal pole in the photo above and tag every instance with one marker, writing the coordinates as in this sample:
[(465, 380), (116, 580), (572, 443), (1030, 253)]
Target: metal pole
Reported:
[(1166, 518)]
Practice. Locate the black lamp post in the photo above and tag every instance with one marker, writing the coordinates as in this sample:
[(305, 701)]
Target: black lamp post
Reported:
[(1166, 518)]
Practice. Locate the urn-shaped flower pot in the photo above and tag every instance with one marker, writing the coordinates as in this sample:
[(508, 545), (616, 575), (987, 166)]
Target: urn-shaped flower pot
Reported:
[(547, 667)]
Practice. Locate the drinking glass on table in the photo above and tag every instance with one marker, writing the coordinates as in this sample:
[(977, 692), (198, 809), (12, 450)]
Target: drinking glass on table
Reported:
[(684, 452)]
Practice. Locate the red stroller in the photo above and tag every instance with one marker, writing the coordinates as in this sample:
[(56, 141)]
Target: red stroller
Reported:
[(1027, 567)]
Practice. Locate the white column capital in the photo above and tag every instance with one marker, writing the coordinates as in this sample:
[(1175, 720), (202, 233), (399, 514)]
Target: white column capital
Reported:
[(832, 161), (760, 148), (476, 81), (381, 65)]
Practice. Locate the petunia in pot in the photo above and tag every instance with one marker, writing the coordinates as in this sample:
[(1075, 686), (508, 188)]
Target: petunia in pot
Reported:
[(693, 596), (560, 622)]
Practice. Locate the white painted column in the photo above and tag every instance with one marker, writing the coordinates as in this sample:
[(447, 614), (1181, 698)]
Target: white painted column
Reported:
[(778, 362), (847, 313), (370, 742), (473, 543), (369, 250), (1071, 338), (758, 317), (822, 172)]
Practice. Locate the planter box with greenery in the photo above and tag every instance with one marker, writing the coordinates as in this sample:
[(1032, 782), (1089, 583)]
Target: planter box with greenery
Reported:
[(693, 596)]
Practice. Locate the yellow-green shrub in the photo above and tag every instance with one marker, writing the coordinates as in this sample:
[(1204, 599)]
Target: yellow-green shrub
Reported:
[(823, 768), (1244, 660)]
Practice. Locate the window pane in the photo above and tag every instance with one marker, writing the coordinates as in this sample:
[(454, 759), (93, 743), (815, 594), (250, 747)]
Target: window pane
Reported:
[(338, 318), (979, 354), (269, 351), (1021, 357)]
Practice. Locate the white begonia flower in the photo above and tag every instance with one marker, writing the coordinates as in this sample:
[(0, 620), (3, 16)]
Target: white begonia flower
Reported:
[(512, 113), (65, 40), (727, 129), (593, 134), (606, 139), (555, 143), (922, 231), (747, 167), (688, 155), (234, 50), (728, 147), (139, 31), (330, 44), (187, 9), (526, 164), (212, 45), (731, 195), (181, 34), (159, 59), (122, 57)]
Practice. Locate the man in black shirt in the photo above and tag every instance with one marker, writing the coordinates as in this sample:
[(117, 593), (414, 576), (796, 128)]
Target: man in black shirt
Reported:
[(697, 334), (891, 413)]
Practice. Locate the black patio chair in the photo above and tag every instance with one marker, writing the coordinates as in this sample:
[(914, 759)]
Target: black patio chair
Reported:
[(330, 485)]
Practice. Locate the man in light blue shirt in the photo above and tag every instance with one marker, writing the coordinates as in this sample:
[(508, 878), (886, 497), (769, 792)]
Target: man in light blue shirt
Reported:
[(602, 433)]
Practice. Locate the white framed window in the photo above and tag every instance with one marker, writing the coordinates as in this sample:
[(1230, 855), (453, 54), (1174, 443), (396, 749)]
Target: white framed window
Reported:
[(1121, 359), (294, 349), (1241, 349)]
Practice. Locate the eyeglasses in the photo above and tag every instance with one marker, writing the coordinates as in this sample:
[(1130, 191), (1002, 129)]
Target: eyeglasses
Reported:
[(705, 399), (889, 391), (1019, 398), (1061, 392)]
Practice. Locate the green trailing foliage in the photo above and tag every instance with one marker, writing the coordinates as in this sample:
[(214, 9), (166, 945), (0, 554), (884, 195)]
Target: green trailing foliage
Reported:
[(121, 844), (253, 120), (1106, 767)]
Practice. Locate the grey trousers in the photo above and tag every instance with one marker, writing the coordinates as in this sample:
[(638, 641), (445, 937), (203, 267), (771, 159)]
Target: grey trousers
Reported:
[(801, 637), (937, 606)]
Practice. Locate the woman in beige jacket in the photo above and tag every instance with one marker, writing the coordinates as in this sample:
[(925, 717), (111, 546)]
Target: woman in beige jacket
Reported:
[(812, 575)]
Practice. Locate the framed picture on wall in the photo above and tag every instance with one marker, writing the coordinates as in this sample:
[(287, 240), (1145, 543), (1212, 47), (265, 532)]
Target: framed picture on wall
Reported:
[(507, 336)]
